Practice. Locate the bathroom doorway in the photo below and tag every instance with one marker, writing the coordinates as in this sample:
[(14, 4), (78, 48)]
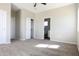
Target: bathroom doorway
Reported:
[(47, 28)]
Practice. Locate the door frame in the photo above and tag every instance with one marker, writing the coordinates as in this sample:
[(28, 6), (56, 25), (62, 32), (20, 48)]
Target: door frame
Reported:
[(49, 27)]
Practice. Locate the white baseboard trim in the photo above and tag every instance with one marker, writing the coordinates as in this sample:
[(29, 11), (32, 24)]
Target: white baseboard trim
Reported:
[(61, 41), (22, 39), (65, 42), (15, 38), (5, 42)]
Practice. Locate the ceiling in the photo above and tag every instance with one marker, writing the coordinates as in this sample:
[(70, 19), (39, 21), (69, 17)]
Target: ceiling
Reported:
[(39, 7)]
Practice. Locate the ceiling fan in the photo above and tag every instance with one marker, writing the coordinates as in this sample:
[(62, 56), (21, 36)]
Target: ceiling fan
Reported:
[(35, 4)]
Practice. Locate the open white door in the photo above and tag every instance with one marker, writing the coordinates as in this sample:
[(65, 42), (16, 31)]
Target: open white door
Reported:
[(3, 28), (28, 28)]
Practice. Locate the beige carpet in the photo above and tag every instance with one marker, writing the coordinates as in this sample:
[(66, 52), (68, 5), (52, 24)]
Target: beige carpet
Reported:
[(38, 48)]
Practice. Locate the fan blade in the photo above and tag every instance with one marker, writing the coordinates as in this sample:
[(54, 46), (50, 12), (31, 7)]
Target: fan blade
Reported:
[(43, 3), (35, 5)]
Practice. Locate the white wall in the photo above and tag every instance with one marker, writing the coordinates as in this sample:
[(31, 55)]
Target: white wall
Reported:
[(17, 23), (24, 14), (13, 28), (63, 24), (78, 27), (78, 31)]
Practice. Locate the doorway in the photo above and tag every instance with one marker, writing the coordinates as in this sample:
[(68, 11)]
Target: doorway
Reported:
[(32, 28), (47, 28), (15, 23)]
